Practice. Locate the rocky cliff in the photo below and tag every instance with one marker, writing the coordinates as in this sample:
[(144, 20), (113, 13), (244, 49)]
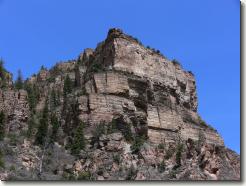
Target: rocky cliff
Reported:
[(139, 114)]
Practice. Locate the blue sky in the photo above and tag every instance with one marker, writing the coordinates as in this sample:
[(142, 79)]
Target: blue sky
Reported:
[(203, 35)]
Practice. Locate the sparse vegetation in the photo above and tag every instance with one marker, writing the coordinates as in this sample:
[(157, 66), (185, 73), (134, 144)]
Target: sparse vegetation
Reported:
[(161, 146), (19, 81), (131, 173), (97, 132), (162, 166), (79, 140), (55, 126), (137, 143), (179, 150), (85, 175), (176, 62), (2, 125), (33, 95), (96, 67), (169, 153), (116, 158), (2, 164), (67, 88), (31, 125), (42, 132)]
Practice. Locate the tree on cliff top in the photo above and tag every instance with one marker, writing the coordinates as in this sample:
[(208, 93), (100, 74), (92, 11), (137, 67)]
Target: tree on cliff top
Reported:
[(19, 81), (2, 70)]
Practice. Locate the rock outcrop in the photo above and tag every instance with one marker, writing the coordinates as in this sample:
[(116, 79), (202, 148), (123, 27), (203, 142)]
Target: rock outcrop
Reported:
[(139, 111)]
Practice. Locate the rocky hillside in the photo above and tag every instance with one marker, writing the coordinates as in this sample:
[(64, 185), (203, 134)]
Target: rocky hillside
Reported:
[(120, 112)]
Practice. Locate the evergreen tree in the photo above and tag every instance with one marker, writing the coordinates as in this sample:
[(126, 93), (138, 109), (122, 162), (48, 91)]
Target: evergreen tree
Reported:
[(67, 88), (32, 96), (2, 125), (79, 140), (2, 70), (77, 82), (31, 125), (54, 99), (55, 126), (19, 81), (41, 135)]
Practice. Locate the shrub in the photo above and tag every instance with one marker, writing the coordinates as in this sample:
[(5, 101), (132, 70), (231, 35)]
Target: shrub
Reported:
[(55, 126), (179, 151), (97, 132), (2, 125), (161, 146), (12, 168), (2, 164), (162, 166), (67, 87), (68, 176), (116, 158), (132, 173), (31, 124), (43, 127), (112, 127), (85, 175), (13, 139), (137, 143), (176, 62), (127, 132), (79, 140), (19, 81), (96, 67), (169, 153)]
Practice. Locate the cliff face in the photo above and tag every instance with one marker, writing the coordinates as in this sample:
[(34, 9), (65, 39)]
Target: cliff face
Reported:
[(144, 95)]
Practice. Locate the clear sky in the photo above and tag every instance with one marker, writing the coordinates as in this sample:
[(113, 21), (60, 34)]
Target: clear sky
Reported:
[(203, 35)]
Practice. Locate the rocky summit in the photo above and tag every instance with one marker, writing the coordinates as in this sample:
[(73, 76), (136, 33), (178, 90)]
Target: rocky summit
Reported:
[(120, 112)]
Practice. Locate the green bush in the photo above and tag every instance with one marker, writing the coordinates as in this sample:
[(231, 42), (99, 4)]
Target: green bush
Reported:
[(162, 166), (67, 87), (2, 125), (97, 132), (43, 127), (137, 143), (2, 164), (79, 140), (179, 151), (55, 126), (176, 62), (31, 125), (112, 127), (13, 139), (161, 146), (19, 81), (131, 173), (68, 176), (96, 67), (116, 158), (169, 153), (85, 175)]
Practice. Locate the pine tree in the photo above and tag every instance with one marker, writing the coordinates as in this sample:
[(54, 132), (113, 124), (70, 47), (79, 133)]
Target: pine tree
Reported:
[(2, 125), (67, 88), (79, 140), (43, 127), (2, 70), (19, 81), (31, 125), (54, 99), (55, 126), (32, 97)]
